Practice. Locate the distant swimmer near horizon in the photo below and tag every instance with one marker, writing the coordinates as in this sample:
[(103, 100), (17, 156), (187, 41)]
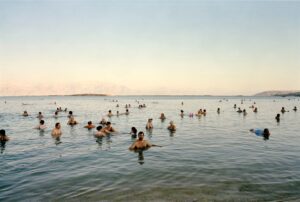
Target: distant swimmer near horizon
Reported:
[(277, 117), (262, 133)]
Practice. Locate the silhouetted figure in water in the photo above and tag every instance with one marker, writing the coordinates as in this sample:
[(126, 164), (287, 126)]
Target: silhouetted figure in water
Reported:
[(277, 117)]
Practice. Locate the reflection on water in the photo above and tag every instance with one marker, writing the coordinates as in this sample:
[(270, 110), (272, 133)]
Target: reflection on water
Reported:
[(2, 146)]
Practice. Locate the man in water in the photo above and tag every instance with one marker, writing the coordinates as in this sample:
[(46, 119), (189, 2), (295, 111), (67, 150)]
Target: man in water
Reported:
[(56, 132), (89, 125), (172, 127), (108, 129), (140, 143)]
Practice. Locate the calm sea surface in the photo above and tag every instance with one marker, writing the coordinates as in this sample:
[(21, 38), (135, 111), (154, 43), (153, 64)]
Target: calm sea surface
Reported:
[(209, 158)]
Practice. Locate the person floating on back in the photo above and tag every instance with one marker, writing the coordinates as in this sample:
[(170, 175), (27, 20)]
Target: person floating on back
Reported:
[(263, 133)]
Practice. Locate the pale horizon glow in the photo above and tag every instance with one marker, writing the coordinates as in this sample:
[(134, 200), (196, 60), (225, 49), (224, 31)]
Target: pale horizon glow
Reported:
[(148, 47)]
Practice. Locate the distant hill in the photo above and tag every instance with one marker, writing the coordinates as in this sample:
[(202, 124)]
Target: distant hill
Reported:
[(278, 93), (89, 94)]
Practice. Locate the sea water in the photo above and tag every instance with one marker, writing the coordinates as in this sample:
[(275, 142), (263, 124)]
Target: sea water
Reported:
[(212, 157)]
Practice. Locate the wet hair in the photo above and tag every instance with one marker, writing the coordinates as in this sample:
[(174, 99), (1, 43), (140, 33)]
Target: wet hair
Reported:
[(42, 122), (89, 122), (109, 111), (141, 133), (2, 133), (70, 112), (57, 124), (99, 128), (134, 130), (40, 112), (108, 123)]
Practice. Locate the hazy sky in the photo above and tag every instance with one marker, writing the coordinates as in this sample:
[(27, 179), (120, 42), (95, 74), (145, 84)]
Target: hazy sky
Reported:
[(148, 47)]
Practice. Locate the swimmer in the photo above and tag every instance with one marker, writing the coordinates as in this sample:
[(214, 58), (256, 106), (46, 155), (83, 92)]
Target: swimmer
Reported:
[(283, 110), (133, 133), (70, 114), (255, 110), (172, 127), (204, 112), (149, 124), (239, 110), (218, 110), (277, 117), (41, 126), (162, 116), (244, 112), (25, 113), (72, 121), (103, 121), (181, 113), (89, 125), (110, 114), (55, 114), (108, 128), (56, 132), (3, 136), (234, 106), (295, 109), (127, 112), (40, 115), (99, 133), (140, 143), (264, 133)]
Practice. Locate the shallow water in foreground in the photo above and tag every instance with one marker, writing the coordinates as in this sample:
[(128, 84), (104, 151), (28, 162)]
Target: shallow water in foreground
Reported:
[(208, 158)]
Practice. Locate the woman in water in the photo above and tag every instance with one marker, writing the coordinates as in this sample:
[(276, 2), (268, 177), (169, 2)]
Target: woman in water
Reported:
[(133, 133), (72, 121)]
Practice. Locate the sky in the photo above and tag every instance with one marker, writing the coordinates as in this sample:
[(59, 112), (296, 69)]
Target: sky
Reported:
[(126, 47)]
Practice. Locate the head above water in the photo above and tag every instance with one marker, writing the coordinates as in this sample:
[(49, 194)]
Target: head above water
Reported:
[(70, 112), (108, 123), (57, 125), (2, 132), (42, 122), (134, 130), (99, 128), (89, 123), (141, 135)]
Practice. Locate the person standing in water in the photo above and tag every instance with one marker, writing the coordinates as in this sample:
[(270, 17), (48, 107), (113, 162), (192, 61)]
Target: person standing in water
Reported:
[(277, 117), (56, 132), (149, 124), (140, 143), (3, 136)]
